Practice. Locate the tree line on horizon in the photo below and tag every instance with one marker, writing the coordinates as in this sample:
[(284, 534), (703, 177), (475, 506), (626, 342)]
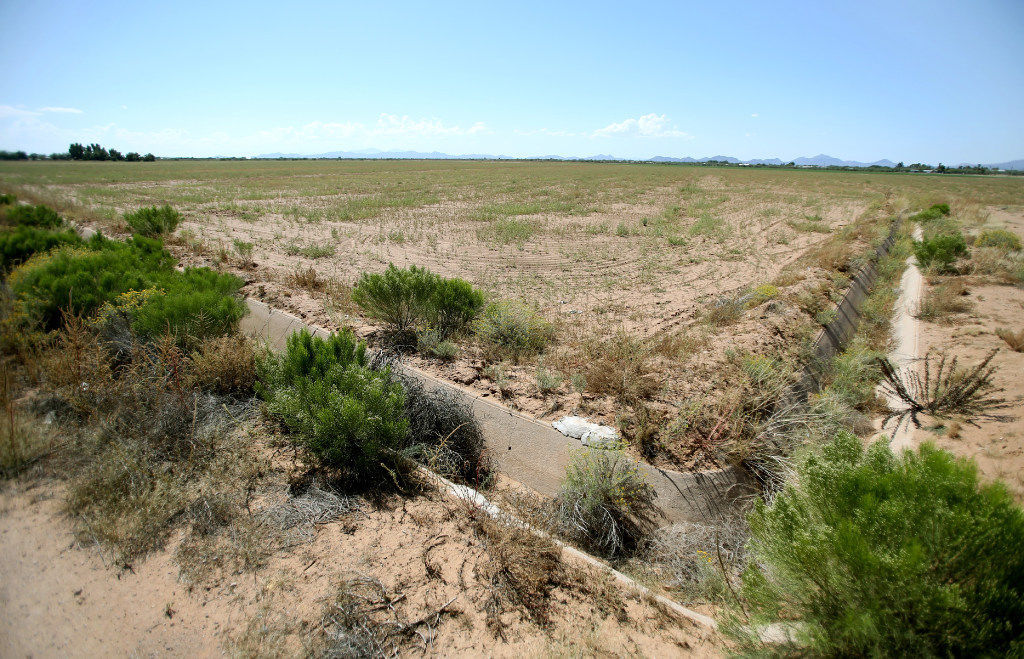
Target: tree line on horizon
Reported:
[(77, 151)]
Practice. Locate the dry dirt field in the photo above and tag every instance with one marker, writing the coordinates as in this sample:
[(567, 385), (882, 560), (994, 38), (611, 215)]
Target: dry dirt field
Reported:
[(659, 279), (968, 325)]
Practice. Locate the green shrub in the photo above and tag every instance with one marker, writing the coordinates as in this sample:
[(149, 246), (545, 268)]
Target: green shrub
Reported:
[(192, 305), (453, 305), (407, 299), (153, 221), (999, 239), (940, 251), (33, 216), (80, 280), (510, 328), (867, 554), (605, 504), (347, 415), (933, 213), (19, 243), (7, 199)]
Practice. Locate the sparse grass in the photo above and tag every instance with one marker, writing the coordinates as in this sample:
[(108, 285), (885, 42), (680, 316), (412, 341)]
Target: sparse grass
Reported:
[(547, 382), (511, 329), (508, 231), (308, 279), (620, 366), (944, 301), (710, 226), (309, 251)]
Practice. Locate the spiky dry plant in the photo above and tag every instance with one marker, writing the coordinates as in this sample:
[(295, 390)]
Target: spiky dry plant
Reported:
[(942, 389)]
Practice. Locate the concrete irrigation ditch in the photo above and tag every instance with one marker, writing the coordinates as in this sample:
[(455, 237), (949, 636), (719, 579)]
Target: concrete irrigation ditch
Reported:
[(535, 454)]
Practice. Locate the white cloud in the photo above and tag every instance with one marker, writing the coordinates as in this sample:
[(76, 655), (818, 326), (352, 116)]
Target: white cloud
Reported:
[(391, 124), (9, 111), (649, 125), (755, 115), (61, 110)]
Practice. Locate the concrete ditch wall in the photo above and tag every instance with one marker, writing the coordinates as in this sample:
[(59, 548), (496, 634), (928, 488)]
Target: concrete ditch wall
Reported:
[(530, 451), (835, 336)]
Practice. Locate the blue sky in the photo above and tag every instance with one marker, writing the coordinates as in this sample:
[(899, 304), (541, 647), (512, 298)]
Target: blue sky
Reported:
[(912, 81)]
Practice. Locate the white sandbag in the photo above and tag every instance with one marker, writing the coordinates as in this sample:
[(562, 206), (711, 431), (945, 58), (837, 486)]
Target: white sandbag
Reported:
[(591, 434)]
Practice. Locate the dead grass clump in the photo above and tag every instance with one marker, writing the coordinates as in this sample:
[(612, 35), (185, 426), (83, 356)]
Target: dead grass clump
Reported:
[(997, 264), (225, 365), (701, 561), (834, 255), (620, 366), (141, 440), (23, 437), (522, 568), (943, 389), (308, 279), (444, 433), (724, 311), (945, 300), (1013, 339)]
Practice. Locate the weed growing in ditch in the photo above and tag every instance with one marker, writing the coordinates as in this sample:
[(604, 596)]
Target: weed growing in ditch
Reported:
[(605, 504), (942, 389)]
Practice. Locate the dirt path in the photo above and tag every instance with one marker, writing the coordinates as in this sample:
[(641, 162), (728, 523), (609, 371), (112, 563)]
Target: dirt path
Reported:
[(906, 337), (58, 599)]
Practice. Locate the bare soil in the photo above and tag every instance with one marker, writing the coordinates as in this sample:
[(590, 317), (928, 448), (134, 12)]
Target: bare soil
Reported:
[(62, 598)]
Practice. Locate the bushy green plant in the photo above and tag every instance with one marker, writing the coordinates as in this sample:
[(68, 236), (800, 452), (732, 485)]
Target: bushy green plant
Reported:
[(192, 305), (347, 415), (153, 221), (605, 504), (932, 213), (453, 305), (21, 242), (410, 298), (1001, 239), (867, 553), (940, 251), (80, 280), (42, 217), (7, 199), (510, 328)]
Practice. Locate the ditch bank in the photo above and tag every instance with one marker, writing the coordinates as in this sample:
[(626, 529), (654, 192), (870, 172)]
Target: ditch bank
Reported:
[(525, 449), (536, 455)]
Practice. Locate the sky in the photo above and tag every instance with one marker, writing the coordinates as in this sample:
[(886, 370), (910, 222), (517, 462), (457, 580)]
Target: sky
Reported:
[(909, 81)]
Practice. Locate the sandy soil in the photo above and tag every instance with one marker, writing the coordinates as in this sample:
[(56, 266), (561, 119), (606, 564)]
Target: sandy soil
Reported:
[(996, 445), (59, 598)]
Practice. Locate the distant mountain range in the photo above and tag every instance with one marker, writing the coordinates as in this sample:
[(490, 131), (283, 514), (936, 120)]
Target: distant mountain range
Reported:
[(820, 160)]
